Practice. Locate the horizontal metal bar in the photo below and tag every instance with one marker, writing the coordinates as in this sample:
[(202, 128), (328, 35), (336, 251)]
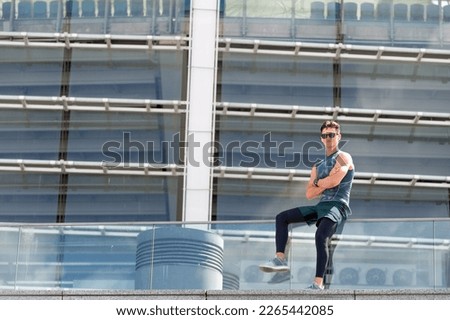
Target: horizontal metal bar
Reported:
[(226, 108), (338, 118), (102, 41), (86, 167), (332, 55), (154, 47), (92, 104), (272, 174), (344, 114), (335, 51), (59, 36), (251, 46)]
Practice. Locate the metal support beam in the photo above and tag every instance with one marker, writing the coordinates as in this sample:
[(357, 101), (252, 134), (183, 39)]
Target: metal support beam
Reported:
[(200, 117)]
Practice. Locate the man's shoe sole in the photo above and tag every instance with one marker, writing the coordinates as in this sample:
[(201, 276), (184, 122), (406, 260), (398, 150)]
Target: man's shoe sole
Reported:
[(274, 269)]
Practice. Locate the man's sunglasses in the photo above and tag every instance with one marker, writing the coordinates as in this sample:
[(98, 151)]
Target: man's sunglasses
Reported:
[(328, 135)]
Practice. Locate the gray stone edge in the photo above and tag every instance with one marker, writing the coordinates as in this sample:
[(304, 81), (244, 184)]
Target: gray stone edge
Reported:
[(70, 294)]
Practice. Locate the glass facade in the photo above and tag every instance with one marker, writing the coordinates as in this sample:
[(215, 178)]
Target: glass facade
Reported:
[(104, 105)]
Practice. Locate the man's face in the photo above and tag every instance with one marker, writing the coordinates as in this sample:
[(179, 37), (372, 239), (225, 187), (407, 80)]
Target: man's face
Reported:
[(330, 137)]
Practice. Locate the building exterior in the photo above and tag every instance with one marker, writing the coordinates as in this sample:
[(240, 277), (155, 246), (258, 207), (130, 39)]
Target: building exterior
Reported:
[(122, 113)]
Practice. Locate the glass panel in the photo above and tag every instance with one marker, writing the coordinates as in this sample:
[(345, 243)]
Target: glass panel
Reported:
[(76, 257), (134, 17), (281, 19), (93, 198), (395, 86), (424, 25), (29, 134), (124, 138), (238, 199), (398, 23), (245, 247), (35, 197), (272, 143), (28, 197), (107, 263), (401, 149), (364, 254), (9, 243), (136, 74), (39, 258), (399, 202), (442, 254), (418, 23), (385, 255), (30, 71), (275, 80)]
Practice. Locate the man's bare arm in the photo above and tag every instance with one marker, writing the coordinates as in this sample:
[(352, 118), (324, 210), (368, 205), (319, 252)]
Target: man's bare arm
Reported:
[(344, 163), (311, 190)]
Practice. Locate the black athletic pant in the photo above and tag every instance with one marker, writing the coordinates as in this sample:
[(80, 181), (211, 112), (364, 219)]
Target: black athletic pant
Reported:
[(325, 230)]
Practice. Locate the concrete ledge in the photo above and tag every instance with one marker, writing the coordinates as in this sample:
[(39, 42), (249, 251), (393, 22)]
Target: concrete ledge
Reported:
[(403, 294), (69, 294), (31, 295), (281, 295)]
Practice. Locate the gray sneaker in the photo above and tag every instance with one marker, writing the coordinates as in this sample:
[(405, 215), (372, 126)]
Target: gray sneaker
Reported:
[(315, 286), (274, 265), (280, 277)]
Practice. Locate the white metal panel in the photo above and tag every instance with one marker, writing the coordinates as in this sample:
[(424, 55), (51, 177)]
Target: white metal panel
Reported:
[(200, 126)]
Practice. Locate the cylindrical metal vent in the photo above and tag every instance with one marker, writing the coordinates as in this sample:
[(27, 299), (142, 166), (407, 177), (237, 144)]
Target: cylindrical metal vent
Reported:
[(179, 258)]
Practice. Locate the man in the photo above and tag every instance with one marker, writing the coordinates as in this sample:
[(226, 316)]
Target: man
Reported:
[(331, 179)]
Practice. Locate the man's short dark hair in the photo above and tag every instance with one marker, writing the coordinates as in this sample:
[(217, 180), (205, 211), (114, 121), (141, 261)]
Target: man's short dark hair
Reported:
[(330, 124)]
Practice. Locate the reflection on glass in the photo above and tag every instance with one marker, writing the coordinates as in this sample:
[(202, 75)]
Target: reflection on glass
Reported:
[(121, 198), (21, 129), (134, 17), (394, 23), (28, 197), (124, 138), (275, 80), (136, 74), (31, 71), (395, 86)]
